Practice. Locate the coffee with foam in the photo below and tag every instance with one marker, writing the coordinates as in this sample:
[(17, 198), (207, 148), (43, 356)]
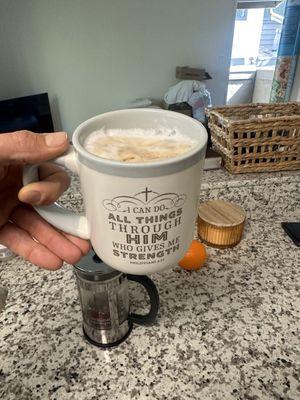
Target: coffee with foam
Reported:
[(137, 145)]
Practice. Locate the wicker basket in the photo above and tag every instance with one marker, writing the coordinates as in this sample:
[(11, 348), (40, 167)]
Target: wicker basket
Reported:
[(257, 137)]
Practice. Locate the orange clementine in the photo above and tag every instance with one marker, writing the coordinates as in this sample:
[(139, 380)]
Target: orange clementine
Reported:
[(195, 257)]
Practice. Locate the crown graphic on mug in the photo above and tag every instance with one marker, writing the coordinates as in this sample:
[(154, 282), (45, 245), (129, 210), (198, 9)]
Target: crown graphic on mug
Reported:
[(139, 216)]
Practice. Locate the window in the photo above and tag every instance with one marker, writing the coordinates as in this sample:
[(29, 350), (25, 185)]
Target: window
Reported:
[(256, 35)]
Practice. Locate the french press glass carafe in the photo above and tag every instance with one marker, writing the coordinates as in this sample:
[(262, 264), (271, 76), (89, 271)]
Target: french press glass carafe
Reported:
[(104, 298)]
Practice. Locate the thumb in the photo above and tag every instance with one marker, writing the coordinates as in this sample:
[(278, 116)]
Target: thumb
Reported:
[(25, 147)]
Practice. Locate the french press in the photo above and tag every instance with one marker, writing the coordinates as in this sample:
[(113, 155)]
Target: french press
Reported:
[(103, 291)]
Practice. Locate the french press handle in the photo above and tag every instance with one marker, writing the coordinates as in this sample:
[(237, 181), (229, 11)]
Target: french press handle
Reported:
[(148, 284)]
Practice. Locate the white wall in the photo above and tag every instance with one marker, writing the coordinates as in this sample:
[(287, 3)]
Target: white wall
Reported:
[(240, 88), (97, 55), (263, 84)]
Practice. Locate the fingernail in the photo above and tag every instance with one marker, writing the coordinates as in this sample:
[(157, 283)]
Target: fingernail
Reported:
[(33, 197), (56, 139)]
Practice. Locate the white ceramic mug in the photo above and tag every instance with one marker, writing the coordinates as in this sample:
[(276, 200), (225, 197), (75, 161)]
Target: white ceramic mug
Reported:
[(139, 217)]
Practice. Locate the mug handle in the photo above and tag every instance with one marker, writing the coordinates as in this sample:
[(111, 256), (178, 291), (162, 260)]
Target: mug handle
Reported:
[(147, 319), (55, 214)]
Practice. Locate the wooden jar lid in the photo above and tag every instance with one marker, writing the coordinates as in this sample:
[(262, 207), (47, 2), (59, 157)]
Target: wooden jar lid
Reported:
[(221, 223)]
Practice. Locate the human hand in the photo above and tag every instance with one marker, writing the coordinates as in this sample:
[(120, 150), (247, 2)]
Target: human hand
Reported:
[(22, 230)]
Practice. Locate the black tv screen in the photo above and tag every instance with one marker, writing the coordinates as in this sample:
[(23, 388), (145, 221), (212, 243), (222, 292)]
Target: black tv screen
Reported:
[(30, 112)]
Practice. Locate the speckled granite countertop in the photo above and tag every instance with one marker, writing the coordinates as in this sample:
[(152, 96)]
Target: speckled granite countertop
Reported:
[(228, 331)]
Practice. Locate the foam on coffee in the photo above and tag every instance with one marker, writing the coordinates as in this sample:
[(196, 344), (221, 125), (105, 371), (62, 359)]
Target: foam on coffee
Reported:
[(137, 145)]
